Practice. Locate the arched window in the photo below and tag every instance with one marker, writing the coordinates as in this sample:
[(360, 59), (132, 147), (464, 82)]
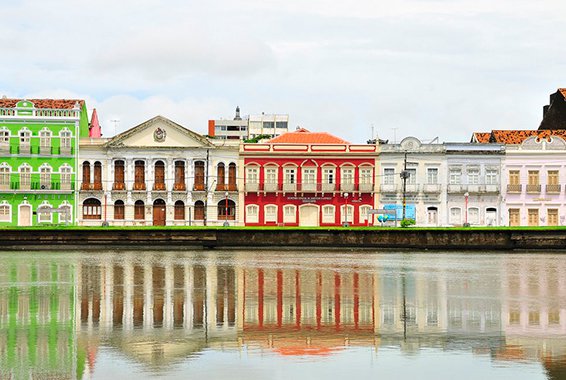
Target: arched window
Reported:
[(65, 173), (92, 209), (252, 214), (139, 210), (119, 178), (226, 210), (270, 214), (4, 140), (45, 141), (159, 177), (455, 216), (44, 213), (179, 176), (347, 214), (4, 176), (220, 174), (139, 175), (473, 215), (25, 177), (232, 177), (65, 213), (328, 214), (119, 210), (199, 176), (65, 141), (97, 185), (199, 210), (45, 177), (364, 209), (5, 212), (86, 176), (179, 210)]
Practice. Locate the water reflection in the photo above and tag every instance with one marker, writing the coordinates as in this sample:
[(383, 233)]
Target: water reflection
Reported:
[(157, 312)]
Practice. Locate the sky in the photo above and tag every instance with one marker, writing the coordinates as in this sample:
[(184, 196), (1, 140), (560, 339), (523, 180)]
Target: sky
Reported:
[(423, 68)]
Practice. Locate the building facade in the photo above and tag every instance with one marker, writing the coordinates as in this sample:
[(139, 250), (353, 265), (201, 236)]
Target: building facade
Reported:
[(307, 179), (158, 173), (38, 160), (249, 127)]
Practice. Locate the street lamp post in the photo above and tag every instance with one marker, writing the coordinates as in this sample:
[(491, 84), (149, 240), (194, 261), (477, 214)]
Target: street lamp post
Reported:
[(345, 224), (466, 195), (404, 175), (226, 224)]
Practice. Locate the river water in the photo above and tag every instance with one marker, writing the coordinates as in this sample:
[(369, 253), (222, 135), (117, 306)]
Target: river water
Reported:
[(282, 315)]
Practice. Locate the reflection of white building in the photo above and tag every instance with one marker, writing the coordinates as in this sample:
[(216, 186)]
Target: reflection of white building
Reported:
[(158, 173)]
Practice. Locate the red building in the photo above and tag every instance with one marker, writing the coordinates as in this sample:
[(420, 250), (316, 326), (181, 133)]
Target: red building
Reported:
[(305, 178)]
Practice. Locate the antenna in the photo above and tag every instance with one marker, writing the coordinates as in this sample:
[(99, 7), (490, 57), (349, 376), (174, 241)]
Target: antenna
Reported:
[(115, 122), (372, 132), (395, 135)]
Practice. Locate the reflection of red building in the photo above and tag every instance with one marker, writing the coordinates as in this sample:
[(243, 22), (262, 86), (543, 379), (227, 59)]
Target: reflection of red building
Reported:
[(308, 179)]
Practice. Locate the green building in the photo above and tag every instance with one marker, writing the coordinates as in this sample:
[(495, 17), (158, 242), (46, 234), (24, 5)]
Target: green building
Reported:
[(38, 160)]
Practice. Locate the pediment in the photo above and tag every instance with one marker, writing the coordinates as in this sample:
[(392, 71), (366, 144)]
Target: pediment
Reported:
[(159, 132)]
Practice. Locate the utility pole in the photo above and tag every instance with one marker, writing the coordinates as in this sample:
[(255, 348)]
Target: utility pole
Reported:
[(404, 175), (206, 188)]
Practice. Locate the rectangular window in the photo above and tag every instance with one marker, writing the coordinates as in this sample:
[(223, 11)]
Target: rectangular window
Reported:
[(271, 175), (514, 178), (290, 175), (491, 177), (552, 216), (533, 177), (328, 175), (533, 216), (473, 176), (412, 180), (432, 176), (347, 214), (455, 216), (252, 215), (388, 176), (553, 177), (309, 175), (252, 175), (455, 176), (268, 124), (514, 217), (5, 213), (281, 125), (347, 176), (473, 215)]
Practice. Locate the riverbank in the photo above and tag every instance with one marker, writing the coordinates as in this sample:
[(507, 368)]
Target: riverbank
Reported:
[(505, 238)]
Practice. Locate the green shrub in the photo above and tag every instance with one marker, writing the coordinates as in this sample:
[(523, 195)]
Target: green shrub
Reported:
[(407, 222)]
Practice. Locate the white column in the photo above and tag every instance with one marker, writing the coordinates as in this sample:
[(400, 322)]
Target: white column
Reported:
[(188, 311), (128, 317), (148, 297), (168, 297)]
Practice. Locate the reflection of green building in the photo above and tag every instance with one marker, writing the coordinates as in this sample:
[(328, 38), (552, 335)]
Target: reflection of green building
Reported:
[(38, 159), (37, 327)]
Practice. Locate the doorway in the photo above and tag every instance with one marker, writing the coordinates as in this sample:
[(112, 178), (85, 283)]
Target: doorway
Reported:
[(308, 216), (24, 215), (432, 216), (159, 209)]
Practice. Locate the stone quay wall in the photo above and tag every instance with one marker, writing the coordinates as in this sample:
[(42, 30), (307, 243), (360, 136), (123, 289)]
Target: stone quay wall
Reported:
[(178, 239)]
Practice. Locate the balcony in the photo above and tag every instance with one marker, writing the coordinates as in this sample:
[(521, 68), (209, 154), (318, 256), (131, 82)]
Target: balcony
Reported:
[(119, 186), (270, 187), (4, 149), (456, 188), (328, 187), (159, 186), (65, 151), (251, 187), (45, 150), (4, 186), (97, 186), (345, 187), (24, 149), (491, 188), (366, 187), (179, 186), (289, 187), (66, 186), (198, 187), (553, 189), (514, 188), (388, 188), (139, 186), (474, 188), (412, 188), (533, 189), (431, 188), (86, 186), (308, 187)]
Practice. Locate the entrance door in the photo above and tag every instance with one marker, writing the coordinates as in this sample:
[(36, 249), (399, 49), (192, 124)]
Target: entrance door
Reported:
[(491, 217), (159, 212), (432, 216), (308, 216), (24, 216)]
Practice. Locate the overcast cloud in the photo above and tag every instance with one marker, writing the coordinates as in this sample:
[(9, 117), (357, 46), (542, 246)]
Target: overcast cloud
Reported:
[(425, 68)]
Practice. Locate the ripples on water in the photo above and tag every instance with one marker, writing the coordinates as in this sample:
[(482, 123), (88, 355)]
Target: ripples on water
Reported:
[(282, 315)]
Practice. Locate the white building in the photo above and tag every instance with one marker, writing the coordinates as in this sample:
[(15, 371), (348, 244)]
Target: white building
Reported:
[(249, 127), (474, 183), (158, 173), (425, 193)]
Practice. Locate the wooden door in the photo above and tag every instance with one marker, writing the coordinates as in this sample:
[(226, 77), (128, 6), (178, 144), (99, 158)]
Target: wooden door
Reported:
[(24, 216), (533, 217), (514, 217), (308, 216), (159, 209)]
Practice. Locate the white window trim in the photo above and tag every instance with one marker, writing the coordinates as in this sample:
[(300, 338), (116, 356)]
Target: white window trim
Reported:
[(363, 211), (44, 204), (289, 218), (350, 216), (329, 218), (250, 218), (265, 213), (6, 204)]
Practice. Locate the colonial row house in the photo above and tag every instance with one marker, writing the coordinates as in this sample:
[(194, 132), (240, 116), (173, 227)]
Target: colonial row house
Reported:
[(38, 154), (158, 173), (305, 178)]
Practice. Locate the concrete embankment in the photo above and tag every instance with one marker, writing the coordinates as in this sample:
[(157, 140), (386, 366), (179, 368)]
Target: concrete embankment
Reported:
[(174, 239)]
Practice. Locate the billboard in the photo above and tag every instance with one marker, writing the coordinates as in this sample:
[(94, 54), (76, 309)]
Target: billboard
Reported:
[(410, 211)]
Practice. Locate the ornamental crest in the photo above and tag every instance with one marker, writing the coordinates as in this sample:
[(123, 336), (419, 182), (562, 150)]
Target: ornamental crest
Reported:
[(159, 135)]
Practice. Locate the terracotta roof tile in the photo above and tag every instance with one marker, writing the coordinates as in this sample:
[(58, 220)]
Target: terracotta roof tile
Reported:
[(43, 103), (304, 136), (516, 136)]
